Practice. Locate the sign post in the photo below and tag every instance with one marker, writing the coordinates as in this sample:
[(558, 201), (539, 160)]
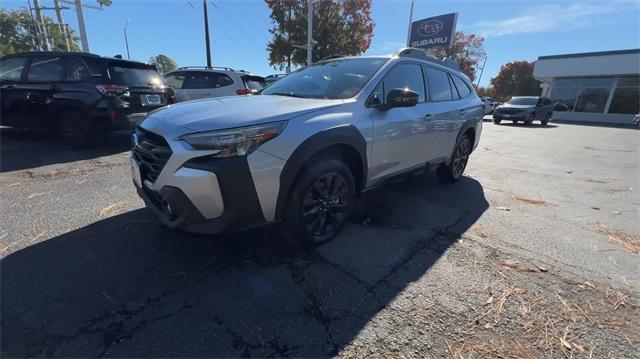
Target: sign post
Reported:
[(437, 31)]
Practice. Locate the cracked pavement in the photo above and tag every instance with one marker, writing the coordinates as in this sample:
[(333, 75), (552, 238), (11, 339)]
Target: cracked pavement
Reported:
[(87, 272)]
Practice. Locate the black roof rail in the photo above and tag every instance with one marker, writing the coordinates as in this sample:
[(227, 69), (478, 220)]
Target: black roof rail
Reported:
[(204, 67), (423, 55)]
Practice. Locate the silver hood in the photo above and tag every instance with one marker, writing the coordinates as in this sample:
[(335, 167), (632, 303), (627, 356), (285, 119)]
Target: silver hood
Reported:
[(237, 111)]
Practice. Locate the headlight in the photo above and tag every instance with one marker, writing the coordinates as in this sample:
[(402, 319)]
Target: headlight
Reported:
[(235, 142)]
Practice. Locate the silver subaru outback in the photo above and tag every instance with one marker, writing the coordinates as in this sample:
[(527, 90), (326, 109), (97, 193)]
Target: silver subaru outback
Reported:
[(303, 150)]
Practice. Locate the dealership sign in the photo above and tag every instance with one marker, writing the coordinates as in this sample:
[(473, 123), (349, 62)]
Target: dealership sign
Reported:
[(437, 31)]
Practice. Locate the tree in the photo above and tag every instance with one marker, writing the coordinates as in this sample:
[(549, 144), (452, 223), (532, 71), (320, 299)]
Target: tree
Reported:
[(486, 91), (340, 28), (18, 33), (515, 79), (466, 50), (163, 63)]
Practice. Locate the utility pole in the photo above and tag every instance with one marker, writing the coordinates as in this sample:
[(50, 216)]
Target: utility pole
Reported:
[(63, 29), (410, 21), (309, 31), (126, 40), (83, 29), (481, 71), (42, 25), (206, 33), (35, 39)]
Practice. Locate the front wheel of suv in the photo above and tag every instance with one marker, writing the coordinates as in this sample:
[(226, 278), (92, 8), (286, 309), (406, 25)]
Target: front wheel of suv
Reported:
[(320, 203), (76, 129), (454, 170)]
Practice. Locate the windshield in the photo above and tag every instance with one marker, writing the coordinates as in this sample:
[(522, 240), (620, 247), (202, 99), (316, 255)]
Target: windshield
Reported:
[(135, 76), (523, 101), (337, 79)]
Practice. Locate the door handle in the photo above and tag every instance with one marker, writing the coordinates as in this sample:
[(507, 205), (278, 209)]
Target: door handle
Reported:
[(462, 112), (54, 87), (8, 87), (427, 117)]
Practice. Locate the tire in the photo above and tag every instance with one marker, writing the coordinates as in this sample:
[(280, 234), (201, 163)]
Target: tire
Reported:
[(76, 129), (496, 121), (454, 170), (320, 203), (529, 120), (546, 120)]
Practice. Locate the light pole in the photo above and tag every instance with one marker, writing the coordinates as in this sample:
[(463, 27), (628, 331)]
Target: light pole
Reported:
[(206, 33), (309, 31), (481, 71), (126, 40), (410, 21)]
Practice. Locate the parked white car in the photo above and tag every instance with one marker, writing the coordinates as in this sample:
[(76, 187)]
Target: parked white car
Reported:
[(193, 83)]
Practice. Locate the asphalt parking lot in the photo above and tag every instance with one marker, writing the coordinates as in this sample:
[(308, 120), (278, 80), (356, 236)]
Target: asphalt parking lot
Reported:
[(534, 253)]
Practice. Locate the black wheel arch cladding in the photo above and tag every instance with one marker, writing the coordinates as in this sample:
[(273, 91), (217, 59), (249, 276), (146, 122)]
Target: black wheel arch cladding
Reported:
[(344, 135)]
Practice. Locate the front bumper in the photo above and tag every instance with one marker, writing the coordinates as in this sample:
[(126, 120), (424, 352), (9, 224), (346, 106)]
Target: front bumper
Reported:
[(192, 191), (520, 116)]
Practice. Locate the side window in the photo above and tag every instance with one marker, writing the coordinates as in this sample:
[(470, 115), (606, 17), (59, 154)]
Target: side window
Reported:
[(377, 96), (46, 69), (175, 79), (221, 80), (454, 92), (198, 80), (77, 70), (11, 68), (439, 86), (463, 88), (405, 76)]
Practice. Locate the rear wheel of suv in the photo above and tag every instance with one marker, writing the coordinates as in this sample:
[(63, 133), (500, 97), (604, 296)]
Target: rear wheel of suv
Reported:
[(454, 170), (320, 203), (76, 129), (546, 120), (529, 120), (496, 121)]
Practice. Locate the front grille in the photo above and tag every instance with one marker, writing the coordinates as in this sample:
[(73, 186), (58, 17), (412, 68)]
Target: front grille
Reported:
[(152, 152), (509, 111)]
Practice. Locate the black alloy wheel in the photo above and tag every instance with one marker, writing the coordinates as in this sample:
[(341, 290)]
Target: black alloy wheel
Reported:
[(454, 170), (325, 205)]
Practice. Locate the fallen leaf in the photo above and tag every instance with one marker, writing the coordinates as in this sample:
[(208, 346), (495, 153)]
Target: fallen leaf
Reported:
[(543, 269), (579, 347), (109, 209), (519, 290), (569, 171), (565, 343), (596, 208), (503, 209), (489, 301), (37, 194)]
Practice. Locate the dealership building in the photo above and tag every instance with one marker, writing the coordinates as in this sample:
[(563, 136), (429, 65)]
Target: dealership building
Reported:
[(592, 87)]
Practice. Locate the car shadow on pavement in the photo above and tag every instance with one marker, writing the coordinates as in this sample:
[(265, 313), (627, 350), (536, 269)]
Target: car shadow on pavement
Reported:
[(21, 150), (533, 125), (127, 287)]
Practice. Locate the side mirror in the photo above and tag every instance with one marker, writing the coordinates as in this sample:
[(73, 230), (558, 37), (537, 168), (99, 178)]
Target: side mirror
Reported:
[(401, 98)]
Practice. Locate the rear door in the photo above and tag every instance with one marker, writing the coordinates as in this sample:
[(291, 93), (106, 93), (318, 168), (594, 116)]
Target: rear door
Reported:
[(176, 81), (225, 85), (446, 119), (12, 92), (147, 89), (45, 78)]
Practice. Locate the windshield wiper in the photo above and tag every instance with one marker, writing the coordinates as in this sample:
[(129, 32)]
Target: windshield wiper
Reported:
[(289, 94)]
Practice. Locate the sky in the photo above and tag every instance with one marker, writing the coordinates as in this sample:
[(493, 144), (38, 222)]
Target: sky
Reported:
[(513, 30)]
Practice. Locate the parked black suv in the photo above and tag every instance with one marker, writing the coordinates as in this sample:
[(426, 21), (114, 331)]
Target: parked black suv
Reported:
[(78, 94)]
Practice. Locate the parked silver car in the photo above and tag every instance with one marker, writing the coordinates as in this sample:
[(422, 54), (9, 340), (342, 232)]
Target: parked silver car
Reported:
[(194, 83), (303, 151)]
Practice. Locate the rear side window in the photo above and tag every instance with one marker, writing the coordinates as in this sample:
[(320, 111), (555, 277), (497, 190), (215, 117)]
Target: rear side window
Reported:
[(133, 76), (46, 69), (222, 80), (175, 79), (253, 82), (462, 87), (11, 68), (439, 86), (198, 80), (77, 70), (405, 76)]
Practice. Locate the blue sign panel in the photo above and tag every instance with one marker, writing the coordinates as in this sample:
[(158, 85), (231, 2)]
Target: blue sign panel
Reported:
[(437, 31)]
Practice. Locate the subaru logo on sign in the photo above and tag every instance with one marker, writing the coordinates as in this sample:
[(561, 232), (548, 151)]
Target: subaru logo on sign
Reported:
[(430, 28), (437, 31)]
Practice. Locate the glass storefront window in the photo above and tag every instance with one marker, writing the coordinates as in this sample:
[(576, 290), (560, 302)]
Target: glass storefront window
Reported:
[(592, 100), (626, 98), (564, 97)]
